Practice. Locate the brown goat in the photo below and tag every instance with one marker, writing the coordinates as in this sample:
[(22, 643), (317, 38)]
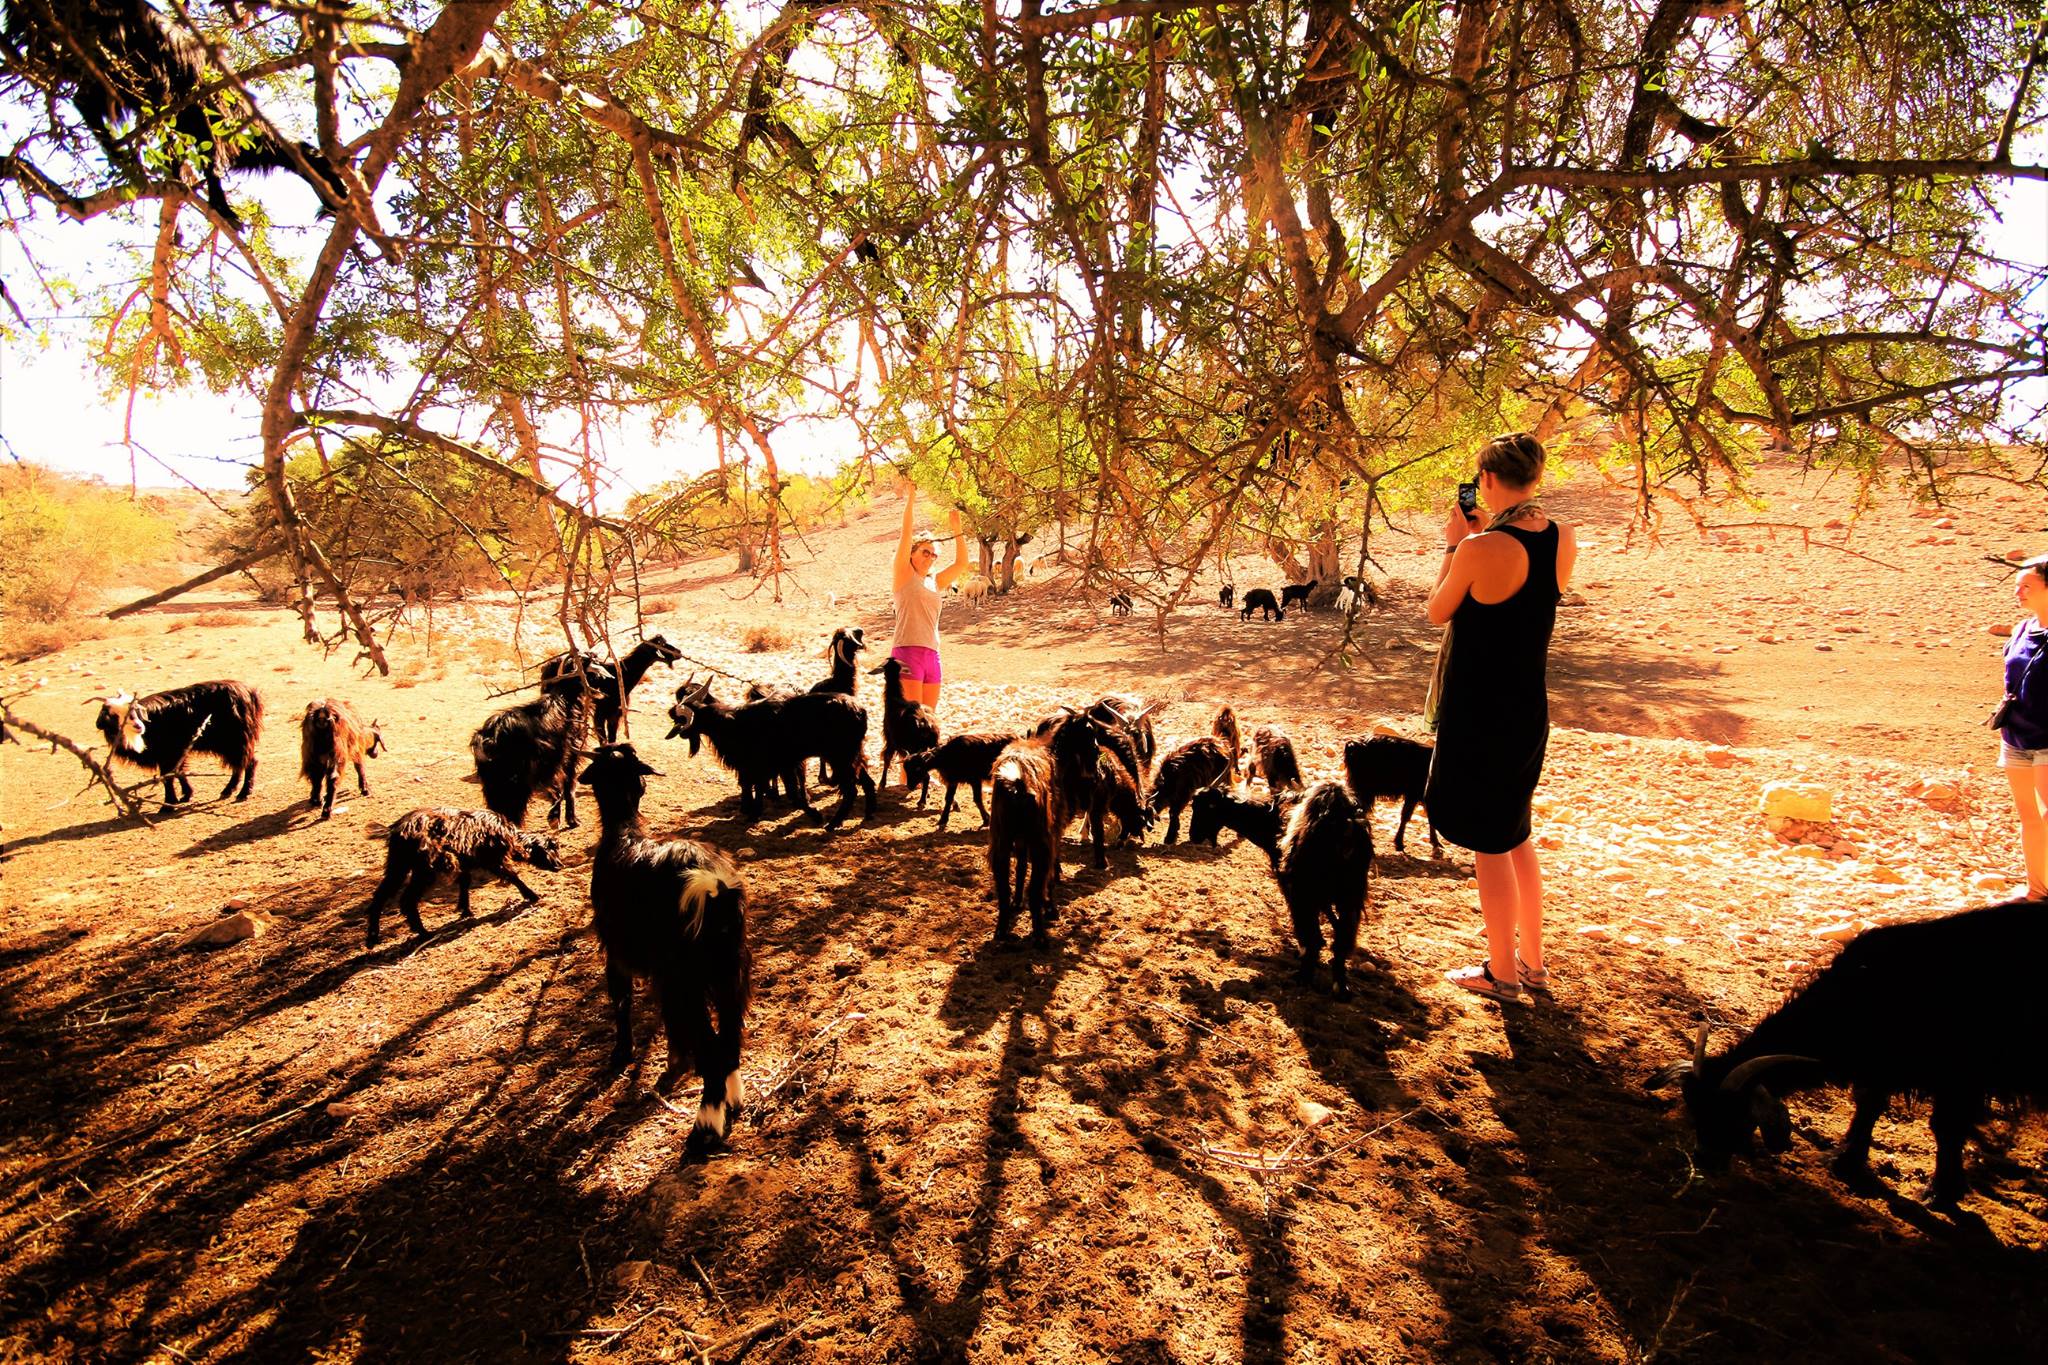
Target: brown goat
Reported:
[(1224, 727), (331, 739)]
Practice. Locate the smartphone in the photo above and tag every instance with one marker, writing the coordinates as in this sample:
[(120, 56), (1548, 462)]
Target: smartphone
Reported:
[(1468, 497)]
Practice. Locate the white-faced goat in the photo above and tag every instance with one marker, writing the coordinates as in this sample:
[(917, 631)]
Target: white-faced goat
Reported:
[(530, 749), (1189, 767), (1038, 785), (330, 740), (1224, 727), (1325, 859), (613, 682), (907, 728), (162, 731), (674, 911), (1387, 765), (435, 840), (961, 759), (1904, 1009), (1273, 759), (1258, 820), (767, 742)]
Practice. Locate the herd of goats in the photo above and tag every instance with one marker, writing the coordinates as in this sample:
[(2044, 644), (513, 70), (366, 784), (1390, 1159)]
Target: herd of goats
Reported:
[(1905, 1009)]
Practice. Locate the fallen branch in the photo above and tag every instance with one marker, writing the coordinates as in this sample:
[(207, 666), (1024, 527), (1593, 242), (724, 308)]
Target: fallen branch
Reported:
[(1805, 537), (128, 804), (819, 1040), (268, 550)]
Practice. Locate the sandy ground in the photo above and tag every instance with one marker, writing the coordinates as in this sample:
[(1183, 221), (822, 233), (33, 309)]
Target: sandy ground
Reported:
[(1147, 1143)]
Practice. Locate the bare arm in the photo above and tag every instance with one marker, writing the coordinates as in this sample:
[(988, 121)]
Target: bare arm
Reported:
[(1567, 555), (1460, 566), (902, 573), (959, 564)]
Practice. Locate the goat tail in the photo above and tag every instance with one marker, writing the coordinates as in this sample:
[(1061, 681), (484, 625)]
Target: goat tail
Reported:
[(713, 904)]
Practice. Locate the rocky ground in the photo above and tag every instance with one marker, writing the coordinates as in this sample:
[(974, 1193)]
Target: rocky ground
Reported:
[(1147, 1143)]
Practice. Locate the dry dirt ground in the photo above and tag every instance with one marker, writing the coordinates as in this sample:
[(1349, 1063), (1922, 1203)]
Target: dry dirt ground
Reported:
[(1147, 1143)]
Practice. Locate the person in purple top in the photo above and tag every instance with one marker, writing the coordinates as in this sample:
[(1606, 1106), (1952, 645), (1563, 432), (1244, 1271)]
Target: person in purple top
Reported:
[(2023, 741)]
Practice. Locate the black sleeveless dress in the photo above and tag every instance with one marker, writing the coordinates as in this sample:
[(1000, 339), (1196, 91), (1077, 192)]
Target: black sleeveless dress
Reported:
[(1493, 723)]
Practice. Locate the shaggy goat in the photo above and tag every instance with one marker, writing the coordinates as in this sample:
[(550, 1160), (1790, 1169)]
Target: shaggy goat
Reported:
[(1325, 859), (1119, 603), (1387, 765), (845, 644), (974, 592), (530, 750), (1261, 600), (331, 739), (1226, 596), (1037, 786), (1224, 727), (1131, 715), (433, 840), (1257, 819), (674, 911), (961, 759), (1189, 767), (120, 59), (767, 741), (907, 728), (1273, 759), (614, 683), (1903, 1009), (163, 730)]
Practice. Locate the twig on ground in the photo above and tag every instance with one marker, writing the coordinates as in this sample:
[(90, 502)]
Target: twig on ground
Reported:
[(128, 804), (824, 1036)]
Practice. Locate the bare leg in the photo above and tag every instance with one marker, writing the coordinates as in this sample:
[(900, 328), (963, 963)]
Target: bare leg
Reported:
[(1529, 903), (2027, 784), (1498, 900)]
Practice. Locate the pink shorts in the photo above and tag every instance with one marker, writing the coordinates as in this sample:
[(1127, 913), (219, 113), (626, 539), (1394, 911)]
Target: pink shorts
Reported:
[(919, 664)]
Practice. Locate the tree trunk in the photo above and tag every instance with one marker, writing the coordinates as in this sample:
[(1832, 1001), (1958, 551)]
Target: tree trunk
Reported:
[(1012, 547)]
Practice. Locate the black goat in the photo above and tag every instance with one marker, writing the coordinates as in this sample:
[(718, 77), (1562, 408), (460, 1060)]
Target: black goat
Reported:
[(961, 759), (767, 741), (907, 728), (1297, 593), (1119, 603), (614, 683), (674, 911), (1325, 859), (1118, 795), (1273, 759), (162, 731), (331, 739), (1037, 787), (1226, 596), (1257, 820), (1903, 1009), (1387, 765), (433, 840), (530, 749), (1261, 600), (121, 59), (1189, 767), (845, 644)]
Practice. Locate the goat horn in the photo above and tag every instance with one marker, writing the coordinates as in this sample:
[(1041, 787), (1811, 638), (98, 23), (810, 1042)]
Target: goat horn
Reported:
[(1699, 1046), (1747, 1073)]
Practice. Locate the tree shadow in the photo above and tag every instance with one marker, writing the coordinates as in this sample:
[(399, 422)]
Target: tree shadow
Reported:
[(265, 826)]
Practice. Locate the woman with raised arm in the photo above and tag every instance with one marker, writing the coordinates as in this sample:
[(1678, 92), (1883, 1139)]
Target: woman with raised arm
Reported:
[(2023, 734), (917, 593), (1498, 590)]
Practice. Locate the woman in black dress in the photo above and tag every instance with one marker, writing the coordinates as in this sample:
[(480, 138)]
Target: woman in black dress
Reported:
[(1498, 590)]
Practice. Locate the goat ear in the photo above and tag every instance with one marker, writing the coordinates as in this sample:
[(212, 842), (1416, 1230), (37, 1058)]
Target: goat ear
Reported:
[(1666, 1076)]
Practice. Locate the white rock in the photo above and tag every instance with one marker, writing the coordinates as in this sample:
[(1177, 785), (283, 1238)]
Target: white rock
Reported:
[(234, 903), (1840, 932), (1594, 931), (1310, 1113), (1798, 801)]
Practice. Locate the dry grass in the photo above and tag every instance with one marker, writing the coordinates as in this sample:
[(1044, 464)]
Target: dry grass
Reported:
[(21, 641), (660, 606), (765, 639)]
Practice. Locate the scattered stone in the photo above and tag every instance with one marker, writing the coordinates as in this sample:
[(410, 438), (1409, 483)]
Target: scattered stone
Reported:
[(234, 903), (1726, 649), (344, 1110), (1594, 931), (1807, 801), (1310, 1113), (233, 929), (1825, 648), (1719, 756), (1999, 629), (1990, 881), (1889, 876), (1839, 933), (1941, 795), (627, 1274)]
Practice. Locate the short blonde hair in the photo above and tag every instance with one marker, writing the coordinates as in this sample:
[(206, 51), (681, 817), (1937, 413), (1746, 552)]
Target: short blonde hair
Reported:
[(1516, 459)]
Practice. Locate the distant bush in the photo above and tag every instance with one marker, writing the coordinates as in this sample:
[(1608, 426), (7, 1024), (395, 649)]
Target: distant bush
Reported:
[(63, 539), (761, 639), (21, 641)]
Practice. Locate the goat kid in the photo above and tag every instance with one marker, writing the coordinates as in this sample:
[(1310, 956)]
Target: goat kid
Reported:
[(331, 739), (160, 732), (1224, 728), (674, 911), (1189, 767), (1258, 820), (1296, 593), (1037, 786), (426, 843), (967, 759), (1273, 759), (530, 749), (907, 727)]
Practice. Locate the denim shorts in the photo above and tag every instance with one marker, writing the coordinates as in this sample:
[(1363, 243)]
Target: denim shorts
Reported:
[(922, 665), (2009, 757)]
